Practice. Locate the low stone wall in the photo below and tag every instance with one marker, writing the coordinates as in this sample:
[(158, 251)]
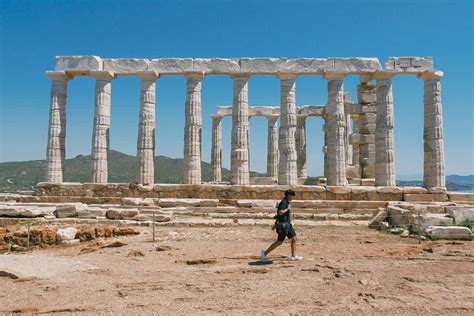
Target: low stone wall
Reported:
[(114, 192)]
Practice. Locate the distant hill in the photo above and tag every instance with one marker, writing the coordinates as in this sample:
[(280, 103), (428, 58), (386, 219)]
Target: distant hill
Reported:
[(24, 175)]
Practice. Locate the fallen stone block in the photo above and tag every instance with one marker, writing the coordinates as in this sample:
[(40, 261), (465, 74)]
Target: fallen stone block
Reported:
[(131, 201), (423, 221), (70, 242), (375, 223), (10, 211), (116, 213), (157, 218), (91, 212), (69, 210), (66, 233), (449, 232), (461, 214), (398, 216)]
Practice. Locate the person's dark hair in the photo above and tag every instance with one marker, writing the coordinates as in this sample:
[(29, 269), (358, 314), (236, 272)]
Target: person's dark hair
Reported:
[(289, 193)]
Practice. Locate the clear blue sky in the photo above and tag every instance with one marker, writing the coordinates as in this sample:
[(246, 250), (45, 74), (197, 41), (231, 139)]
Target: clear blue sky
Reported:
[(33, 32)]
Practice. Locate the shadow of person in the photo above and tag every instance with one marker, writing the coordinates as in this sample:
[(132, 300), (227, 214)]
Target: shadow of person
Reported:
[(260, 263)]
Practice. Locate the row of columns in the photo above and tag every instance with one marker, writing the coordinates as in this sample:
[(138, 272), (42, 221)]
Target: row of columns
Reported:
[(288, 168)]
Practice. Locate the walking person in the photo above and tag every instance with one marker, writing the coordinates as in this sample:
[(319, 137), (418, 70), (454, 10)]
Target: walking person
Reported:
[(284, 228)]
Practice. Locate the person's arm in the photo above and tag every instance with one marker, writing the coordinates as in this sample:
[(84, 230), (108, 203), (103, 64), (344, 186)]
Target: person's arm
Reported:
[(282, 212), (285, 206)]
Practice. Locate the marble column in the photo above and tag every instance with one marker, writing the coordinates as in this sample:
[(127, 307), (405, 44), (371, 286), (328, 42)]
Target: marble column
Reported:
[(56, 148), (325, 147), (300, 141), (272, 145), (287, 169), (347, 143), (216, 152), (145, 172), (336, 153), (100, 135), (433, 135), (384, 145), (192, 130), (240, 123)]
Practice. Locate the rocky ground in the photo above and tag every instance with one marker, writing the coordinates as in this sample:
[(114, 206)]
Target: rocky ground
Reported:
[(347, 268)]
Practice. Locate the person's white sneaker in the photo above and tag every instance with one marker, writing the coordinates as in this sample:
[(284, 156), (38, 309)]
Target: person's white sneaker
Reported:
[(263, 256), (296, 258)]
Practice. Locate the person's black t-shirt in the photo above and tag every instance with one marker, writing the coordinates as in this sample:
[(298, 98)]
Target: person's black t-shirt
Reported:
[(284, 204)]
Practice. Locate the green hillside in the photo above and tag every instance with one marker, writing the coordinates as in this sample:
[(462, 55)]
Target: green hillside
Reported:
[(24, 175)]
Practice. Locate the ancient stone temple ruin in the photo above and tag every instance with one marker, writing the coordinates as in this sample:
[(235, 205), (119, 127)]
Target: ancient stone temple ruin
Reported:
[(358, 136)]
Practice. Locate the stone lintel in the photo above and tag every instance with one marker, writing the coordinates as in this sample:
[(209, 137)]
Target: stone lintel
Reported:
[(240, 75), (217, 116), (431, 75), (311, 110), (384, 74), (331, 75), (126, 66), (148, 75), (409, 64), (78, 65), (103, 75), (59, 75)]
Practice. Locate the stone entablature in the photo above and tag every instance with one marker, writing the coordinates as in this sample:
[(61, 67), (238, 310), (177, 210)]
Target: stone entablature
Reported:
[(262, 110), (369, 152), (83, 65)]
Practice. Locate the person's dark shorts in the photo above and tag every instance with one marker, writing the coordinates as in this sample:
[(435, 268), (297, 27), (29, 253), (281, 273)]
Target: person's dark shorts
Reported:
[(284, 233)]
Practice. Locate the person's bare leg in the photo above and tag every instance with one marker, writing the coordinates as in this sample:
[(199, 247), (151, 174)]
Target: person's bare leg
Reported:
[(293, 246), (272, 247)]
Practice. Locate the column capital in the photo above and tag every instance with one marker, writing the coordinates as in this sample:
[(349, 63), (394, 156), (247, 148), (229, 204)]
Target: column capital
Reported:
[(194, 75), (148, 75), (384, 74), (272, 117), (332, 75), (59, 75), (366, 78), (217, 116), (431, 75), (103, 75), (240, 75), (301, 117), (286, 75)]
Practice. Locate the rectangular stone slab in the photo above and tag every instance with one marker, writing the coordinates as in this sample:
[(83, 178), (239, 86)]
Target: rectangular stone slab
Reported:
[(216, 65), (409, 65), (78, 65), (171, 66), (126, 66)]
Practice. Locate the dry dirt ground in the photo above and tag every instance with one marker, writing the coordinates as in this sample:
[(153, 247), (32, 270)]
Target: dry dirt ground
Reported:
[(346, 270)]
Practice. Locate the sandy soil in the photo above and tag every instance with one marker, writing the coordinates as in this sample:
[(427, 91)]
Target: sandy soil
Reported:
[(345, 270)]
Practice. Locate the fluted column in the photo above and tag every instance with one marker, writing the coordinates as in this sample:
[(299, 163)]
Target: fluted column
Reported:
[(56, 147), (272, 145), (325, 147), (191, 173), (145, 170), (300, 141), (433, 135), (100, 135), (216, 152), (384, 145), (240, 121), (336, 154), (287, 170)]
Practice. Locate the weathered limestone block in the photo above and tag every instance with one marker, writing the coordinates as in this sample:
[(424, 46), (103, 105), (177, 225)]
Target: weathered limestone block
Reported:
[(461, 214), (172, 202), (430, 197), (126, 66), (157, 218), (423, 221), (262, 66), (209, 203), (117, 213), (171, 66), (449, 232), (91, 212), (78, 65), (69, 233), (413, 190), (461, 197), (191, 173), (132, 201), (409, 64), (216, 65), (356, 65), (399, 217), (308, 65), (375, 223), (69, 210)]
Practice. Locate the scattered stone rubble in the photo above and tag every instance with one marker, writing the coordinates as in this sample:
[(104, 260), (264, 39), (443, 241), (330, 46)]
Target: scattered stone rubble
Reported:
[(22, 238), (435, 221)]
